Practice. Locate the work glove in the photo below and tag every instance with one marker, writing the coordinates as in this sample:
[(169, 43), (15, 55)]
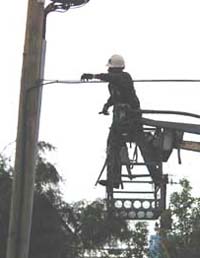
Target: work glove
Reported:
[(104, 110), (86, 76)]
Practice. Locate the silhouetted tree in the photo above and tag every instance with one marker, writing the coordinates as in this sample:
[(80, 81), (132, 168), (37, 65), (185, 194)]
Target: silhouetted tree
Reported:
[(183, 240), (50, 235), (62, 230)]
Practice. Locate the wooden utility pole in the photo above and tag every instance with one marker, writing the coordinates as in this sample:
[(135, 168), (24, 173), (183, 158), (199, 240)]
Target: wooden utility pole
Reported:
[(27, 136)]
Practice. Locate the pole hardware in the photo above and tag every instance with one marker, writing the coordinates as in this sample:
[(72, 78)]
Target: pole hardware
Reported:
[(61, 6)]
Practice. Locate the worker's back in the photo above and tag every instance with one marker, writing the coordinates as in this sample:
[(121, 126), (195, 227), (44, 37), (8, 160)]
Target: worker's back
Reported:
[(122, 89)]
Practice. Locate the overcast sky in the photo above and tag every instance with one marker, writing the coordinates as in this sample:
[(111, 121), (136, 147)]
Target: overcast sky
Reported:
[(158, 39)]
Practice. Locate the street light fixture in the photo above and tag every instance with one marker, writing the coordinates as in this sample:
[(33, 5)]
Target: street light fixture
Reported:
[(71, 2), (61, 6), (64, 5)]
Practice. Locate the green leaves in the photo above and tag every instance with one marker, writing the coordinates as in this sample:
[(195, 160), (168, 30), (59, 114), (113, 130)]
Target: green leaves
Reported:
[(139, 240), (67, 230), (182, 205), (97, 232), (95, 228), (183, 240)]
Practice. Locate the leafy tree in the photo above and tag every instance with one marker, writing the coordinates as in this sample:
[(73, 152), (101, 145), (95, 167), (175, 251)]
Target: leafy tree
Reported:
[(138, 242), (5, 194), (183, 240), (62, 230), (50, 236), (99, 232), (182, 205)]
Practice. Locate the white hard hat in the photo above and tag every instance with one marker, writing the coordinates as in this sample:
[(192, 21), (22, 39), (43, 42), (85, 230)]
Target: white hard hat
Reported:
[(116, 61)]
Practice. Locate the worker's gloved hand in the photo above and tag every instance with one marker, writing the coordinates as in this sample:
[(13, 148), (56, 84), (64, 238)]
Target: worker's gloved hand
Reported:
[(86, 76), (104, 110)]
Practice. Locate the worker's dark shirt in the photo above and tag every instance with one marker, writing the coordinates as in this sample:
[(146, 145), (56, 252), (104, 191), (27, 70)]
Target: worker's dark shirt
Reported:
[(121, 88)]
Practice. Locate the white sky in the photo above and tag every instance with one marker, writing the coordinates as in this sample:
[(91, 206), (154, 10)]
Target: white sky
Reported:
[(159, 39)]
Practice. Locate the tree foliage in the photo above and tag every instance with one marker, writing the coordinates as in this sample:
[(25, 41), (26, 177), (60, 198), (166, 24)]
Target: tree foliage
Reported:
[(62, 230), (5, 193), (49, 233), (97, 232), (138, 242), (183, 240)]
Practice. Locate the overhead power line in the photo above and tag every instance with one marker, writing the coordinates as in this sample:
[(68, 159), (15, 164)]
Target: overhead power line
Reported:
[(46, 82)]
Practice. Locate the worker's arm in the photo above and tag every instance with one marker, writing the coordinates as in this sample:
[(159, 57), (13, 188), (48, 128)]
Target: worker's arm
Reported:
[(106, 77), (106, 106)]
